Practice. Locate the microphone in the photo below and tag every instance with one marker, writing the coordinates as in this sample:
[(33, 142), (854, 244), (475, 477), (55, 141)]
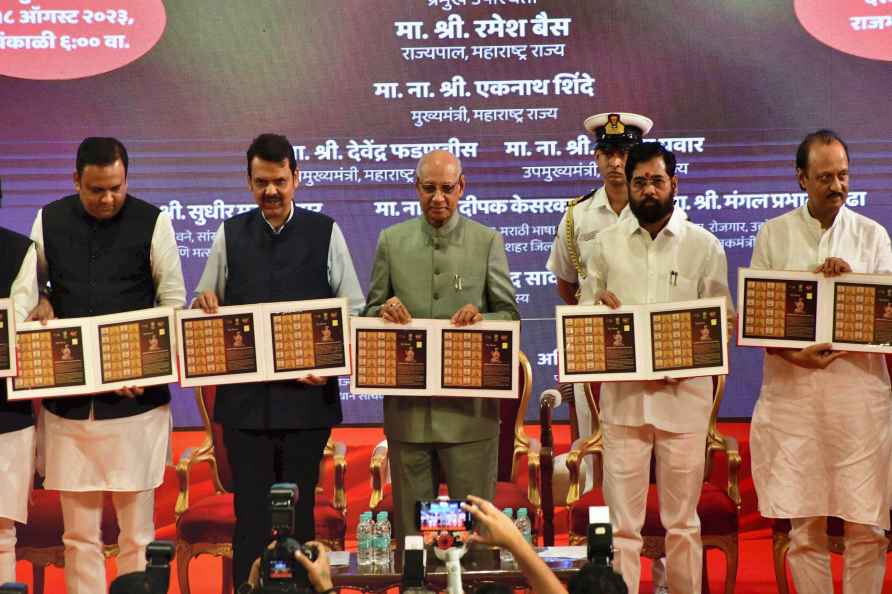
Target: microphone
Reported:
[(551, 397)]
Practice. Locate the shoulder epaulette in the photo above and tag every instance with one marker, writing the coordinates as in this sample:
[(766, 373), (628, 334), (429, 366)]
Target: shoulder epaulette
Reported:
[(583, 198)]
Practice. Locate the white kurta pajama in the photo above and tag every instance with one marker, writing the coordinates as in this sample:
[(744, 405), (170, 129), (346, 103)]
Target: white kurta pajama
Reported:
[(821, 439), (17, 447), (125, 456), (671, 420)]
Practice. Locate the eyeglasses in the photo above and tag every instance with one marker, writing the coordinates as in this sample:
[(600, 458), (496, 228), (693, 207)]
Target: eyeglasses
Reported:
[(640, 183), (431, 189)]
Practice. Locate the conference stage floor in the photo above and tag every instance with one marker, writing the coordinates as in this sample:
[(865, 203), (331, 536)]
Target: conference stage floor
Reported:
[(755, 575)]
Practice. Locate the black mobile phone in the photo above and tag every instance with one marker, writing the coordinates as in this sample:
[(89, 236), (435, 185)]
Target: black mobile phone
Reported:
[(442, 514)]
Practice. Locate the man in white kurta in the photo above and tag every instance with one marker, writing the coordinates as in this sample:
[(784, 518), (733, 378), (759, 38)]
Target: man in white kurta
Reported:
[(820, 435), (18, 281), (657, 256), (102, 251), (585, 217)]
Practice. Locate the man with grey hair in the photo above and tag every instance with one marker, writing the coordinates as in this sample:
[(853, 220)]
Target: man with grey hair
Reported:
[(443, 266)]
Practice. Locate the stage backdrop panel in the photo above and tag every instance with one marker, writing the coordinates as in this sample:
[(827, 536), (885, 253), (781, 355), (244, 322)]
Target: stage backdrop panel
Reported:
[(362, 89)]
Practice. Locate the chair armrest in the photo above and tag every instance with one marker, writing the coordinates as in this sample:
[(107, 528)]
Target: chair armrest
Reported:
[(732, 450), (377, 470), (339, 457), (582, 447), (190, 457), (716, 441), (534, 487)]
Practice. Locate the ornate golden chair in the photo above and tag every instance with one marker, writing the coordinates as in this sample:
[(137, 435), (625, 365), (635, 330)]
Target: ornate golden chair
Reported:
[(514, 445), (719, 503), (205, 526)]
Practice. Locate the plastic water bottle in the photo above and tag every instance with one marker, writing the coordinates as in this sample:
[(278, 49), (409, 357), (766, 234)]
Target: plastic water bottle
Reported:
[(505, 556), (365, 539), (524, 526), (382, 540)]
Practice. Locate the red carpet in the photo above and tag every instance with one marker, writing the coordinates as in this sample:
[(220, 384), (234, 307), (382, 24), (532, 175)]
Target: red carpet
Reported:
[(755, 575)]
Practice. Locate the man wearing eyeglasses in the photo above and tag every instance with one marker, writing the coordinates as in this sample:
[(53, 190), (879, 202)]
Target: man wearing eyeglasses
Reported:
[(275, 431), (440, 265), (656, 256)]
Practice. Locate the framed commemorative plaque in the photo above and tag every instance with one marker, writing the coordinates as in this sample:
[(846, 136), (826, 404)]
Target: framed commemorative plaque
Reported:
[(784, 309), (7, 338), (435, 358), (263, 342), (642, 342), (77, 356)]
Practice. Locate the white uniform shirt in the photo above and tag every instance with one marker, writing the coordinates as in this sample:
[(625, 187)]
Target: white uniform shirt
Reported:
[(589, 218), (821, 438), (638, 269)]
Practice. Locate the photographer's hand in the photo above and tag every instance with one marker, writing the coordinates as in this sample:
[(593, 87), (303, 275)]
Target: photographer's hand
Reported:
[(495, 528), (319, 571), (253, 583)]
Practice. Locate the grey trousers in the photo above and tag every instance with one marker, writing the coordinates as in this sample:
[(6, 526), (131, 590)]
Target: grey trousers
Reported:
[(467, 469)]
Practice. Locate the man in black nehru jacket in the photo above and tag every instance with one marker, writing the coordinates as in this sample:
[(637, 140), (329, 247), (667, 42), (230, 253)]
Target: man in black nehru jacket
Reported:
[(18, 281), (102, 251), (275, 431)]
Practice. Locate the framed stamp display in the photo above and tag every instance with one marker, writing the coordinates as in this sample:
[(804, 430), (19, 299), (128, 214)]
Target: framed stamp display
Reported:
[(785, 309), (7, 338), (263, 342), (642, 342), (77, 356), (435, 358)]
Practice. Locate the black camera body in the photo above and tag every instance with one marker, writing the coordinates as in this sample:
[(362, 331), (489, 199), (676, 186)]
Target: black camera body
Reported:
[(600, 544), (279, 570)]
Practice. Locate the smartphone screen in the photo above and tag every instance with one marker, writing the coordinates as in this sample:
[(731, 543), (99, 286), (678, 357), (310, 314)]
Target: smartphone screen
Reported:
[(439, 515)]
